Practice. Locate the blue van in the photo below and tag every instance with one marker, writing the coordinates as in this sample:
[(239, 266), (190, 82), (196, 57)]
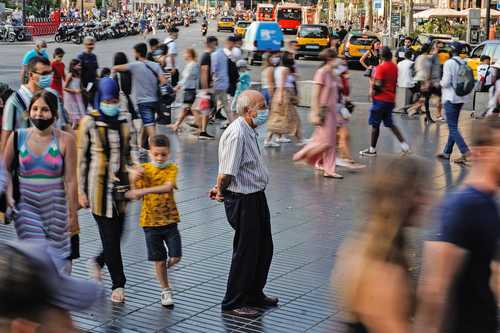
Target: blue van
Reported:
[(262, 37)]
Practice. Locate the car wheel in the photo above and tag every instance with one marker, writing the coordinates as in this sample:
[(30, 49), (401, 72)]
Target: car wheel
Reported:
[(297, 57), (57, 38)]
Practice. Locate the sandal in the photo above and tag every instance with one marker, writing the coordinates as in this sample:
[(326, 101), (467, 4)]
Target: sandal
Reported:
[(118, 295), (334, 175)]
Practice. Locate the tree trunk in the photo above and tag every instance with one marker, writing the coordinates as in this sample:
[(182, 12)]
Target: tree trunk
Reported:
[(410, 16), (331, 10), (369, 15), (319, 8)]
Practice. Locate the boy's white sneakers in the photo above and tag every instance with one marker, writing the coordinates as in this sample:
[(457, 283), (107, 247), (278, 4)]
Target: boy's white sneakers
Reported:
[(167, 297)]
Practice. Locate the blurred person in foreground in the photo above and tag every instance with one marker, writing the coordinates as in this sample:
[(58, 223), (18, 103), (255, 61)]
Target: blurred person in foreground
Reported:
[(460, 269), (372, 269), (36, 296)]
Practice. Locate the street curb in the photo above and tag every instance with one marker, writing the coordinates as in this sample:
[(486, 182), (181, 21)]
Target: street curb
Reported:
[(31, 42)]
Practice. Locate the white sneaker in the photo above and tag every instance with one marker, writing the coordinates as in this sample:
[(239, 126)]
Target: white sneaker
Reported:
[(283, 140), (271, 144), (349, 164), (167, 297)]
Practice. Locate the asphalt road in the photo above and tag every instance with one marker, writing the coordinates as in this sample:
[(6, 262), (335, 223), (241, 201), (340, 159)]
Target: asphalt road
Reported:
[(12, 54)]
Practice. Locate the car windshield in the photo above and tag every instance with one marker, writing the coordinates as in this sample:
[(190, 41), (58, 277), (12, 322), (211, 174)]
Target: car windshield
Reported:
[(313, 32), (362, 40), (226, 19), (289, 14), (243, 24)]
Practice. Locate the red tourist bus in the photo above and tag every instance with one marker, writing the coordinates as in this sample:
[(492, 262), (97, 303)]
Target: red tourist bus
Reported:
[(289, 16), (265, 12)]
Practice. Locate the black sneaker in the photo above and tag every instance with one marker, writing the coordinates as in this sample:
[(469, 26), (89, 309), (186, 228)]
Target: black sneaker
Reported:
[(443, 156), (367, 152), (205, 136)]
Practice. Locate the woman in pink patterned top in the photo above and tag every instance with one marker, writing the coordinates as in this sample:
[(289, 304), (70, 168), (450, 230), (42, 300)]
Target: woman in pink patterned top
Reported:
[(320, 152)]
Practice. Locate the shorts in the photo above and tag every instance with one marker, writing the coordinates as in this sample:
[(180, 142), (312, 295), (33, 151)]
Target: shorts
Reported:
[(147, 111), (75, 247), (189, 97), (381, 112), (159, 237)]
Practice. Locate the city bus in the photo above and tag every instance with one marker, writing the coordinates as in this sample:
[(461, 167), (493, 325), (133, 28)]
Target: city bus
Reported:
[(265, 12), (289, 16)]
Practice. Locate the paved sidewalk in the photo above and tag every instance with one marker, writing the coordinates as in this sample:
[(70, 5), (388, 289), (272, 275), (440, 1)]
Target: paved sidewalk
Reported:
[(310, 217)]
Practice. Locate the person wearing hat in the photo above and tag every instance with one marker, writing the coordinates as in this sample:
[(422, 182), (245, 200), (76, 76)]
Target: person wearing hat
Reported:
[(453, 105), (36, 296), (102, 173), (244, 81)]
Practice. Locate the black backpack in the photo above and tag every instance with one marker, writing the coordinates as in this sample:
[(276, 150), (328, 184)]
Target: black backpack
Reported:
[(465, 82)]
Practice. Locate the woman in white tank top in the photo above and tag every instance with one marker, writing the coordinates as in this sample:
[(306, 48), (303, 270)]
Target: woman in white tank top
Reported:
[(283, 118)]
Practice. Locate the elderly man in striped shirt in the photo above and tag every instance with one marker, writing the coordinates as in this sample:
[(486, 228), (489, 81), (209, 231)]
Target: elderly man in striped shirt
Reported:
[(240, 185)]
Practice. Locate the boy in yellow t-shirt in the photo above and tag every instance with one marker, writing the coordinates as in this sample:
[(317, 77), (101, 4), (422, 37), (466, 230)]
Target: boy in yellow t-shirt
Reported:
[(155, 182)]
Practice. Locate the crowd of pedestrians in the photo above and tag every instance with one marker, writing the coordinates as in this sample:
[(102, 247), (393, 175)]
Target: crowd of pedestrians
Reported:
[(77, 138)]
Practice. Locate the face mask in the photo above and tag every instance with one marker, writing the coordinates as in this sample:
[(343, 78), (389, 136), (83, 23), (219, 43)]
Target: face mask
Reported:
[(275, 61), (109, 110), (160, 165), (261, 118), (42, 124), (44, 81)]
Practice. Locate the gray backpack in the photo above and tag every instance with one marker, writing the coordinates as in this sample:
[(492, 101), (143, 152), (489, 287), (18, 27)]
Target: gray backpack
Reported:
[(465, 82)]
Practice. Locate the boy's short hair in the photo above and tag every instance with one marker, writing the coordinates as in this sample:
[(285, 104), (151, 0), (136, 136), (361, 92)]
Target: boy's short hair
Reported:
[(484, 57), (159, 140), (59, 52)]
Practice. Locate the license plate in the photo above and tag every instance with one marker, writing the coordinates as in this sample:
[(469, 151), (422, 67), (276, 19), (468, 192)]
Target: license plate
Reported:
[(312, 47), (362, 51)]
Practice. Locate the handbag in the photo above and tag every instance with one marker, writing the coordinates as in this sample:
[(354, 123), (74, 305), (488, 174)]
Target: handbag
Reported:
[(323, 112), (166, 96)]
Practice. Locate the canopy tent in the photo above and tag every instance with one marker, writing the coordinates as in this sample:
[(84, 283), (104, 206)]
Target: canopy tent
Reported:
[(493, 12), (437, 12)]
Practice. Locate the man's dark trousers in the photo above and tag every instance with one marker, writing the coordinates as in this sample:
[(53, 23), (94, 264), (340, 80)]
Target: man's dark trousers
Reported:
[(249, 216)]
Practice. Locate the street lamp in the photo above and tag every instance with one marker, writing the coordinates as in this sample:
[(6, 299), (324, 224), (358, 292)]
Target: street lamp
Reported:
[(487, 20)]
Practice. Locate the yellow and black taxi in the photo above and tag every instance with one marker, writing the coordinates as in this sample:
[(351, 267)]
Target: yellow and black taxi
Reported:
[(225, 23), (312, 39), (429, 39), (489, 48), (445, 51), (355, 45), (241, 28)]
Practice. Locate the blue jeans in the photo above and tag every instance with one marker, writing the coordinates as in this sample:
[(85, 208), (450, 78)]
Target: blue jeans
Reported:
[(452, 112), (147, 112)]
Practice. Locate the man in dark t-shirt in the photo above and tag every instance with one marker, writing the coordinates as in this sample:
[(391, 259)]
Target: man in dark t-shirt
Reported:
[(206, 75), (455, 291), (89, 64)]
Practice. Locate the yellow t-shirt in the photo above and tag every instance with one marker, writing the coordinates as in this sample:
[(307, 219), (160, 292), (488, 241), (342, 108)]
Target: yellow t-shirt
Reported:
[(158, 209)]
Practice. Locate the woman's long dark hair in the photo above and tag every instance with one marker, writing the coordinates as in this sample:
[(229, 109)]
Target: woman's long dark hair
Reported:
[(288, 61), (72, 69), (49, 98), (125, 83)]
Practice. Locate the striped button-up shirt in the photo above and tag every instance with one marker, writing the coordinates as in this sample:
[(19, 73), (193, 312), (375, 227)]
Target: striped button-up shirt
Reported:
[(240, 157), (104, 152)]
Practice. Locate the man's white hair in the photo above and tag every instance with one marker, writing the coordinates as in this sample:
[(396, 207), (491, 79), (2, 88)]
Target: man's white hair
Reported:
[(244, 102), (89, 40), (40, 43)]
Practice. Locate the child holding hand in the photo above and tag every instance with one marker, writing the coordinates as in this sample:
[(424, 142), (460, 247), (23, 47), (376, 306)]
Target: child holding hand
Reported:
[(154, 183)]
